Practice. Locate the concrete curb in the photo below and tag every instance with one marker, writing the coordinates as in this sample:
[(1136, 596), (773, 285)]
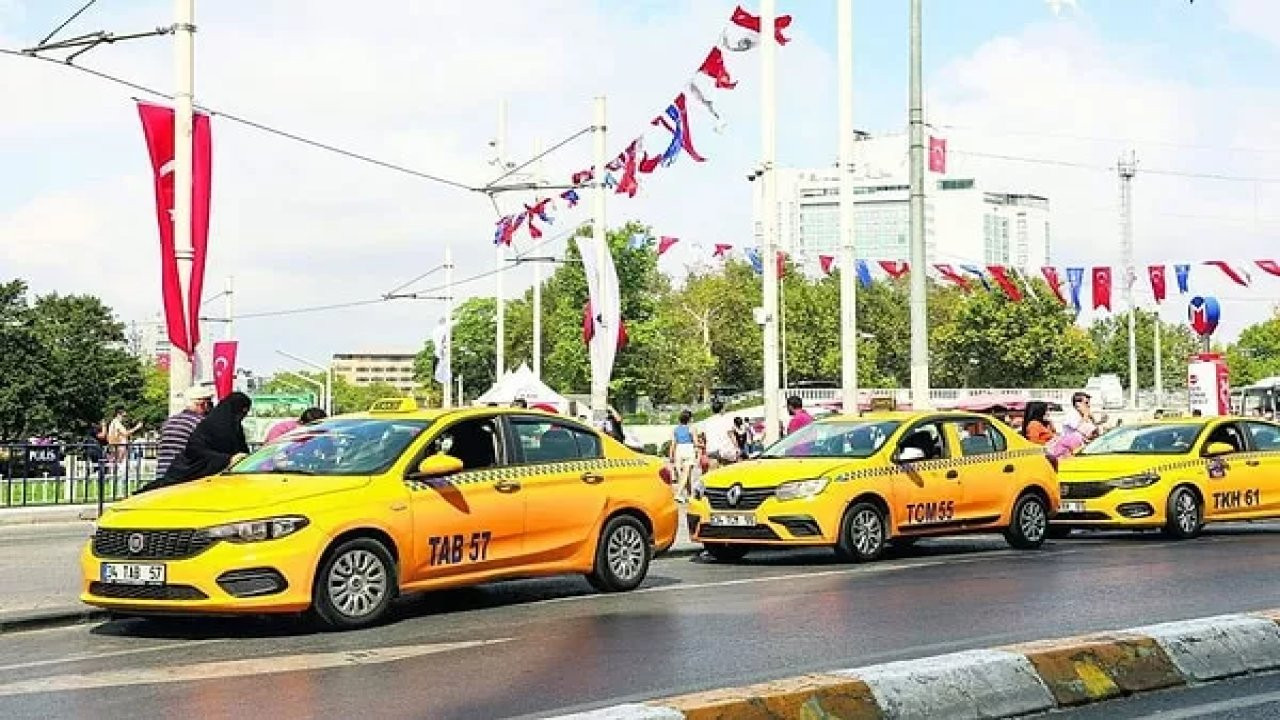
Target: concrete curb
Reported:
[(53, 617), (1000, 682)]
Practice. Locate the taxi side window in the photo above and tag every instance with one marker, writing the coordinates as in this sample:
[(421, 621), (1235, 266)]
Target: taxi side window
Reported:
[(927, 439), (544, 441), (978, 437), (1228, 434), (1265, 437), (474, 442)]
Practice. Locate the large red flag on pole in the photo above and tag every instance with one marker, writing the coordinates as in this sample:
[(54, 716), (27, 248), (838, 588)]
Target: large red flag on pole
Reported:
[(157, 125)]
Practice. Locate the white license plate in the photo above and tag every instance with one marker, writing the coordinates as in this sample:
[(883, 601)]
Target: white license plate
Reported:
[(1072, 506), (734, 520), (133, 574)]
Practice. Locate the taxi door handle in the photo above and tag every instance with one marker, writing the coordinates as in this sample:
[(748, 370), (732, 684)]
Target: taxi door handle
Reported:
[(506, 486), (1008, 468), (1253, 463), (591, 478), (953, 474)]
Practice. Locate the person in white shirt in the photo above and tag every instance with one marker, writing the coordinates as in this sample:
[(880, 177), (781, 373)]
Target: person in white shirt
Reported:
[(721, 444)]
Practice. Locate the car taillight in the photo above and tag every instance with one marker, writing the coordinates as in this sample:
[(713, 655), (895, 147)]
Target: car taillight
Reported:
[(665, 474)]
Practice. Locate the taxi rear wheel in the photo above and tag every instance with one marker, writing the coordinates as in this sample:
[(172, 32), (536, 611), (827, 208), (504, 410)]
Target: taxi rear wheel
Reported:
[(1029, 524), (355, 585), (863, 533), (1185, 514), (622, 555)]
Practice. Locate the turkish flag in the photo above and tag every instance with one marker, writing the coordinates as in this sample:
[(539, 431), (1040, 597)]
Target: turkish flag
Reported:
[(782, 264), (182, 321), (1000, 274), (1102, 288), (1055, 283), (937, 155), (714, 67), (224, 367), (1158, 289), (826, 261), (665, 242), (895, 268), (1271, 267), (721, 250)]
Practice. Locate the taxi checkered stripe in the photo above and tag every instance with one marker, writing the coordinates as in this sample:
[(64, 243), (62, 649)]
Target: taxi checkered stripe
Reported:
[(1198, 462), (931, 465), (517, 472)]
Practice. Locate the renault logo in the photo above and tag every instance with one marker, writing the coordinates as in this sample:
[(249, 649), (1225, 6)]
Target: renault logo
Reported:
[(734, 495), (136, 543)]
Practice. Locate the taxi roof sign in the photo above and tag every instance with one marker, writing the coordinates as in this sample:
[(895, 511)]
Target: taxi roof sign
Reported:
[(394, 405)]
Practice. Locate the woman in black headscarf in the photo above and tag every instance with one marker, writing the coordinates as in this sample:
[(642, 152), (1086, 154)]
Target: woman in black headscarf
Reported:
[(216, 444)]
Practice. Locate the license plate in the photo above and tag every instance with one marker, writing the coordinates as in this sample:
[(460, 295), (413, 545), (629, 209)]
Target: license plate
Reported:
[(734, 520), (1072, 506), (133, 574)]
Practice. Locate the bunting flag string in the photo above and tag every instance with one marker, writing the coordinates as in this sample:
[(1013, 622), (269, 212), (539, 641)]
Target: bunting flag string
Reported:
[(1054, 281), (1156, 273), (1238, 277), (1000, 274), (1075, 279), (826, 262), (895, 269), (1102, 288)]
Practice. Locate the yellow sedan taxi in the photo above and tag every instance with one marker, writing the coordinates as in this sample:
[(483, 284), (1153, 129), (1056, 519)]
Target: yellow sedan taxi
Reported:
[(1175, 475), (858, 483), (341, 516)]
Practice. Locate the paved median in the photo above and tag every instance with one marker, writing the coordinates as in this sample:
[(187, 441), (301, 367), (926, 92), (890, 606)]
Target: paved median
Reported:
[(999, 682)]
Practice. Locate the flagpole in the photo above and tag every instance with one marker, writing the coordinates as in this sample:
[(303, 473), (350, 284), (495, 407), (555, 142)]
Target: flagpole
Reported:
[(230, 304), (537, 282), (180, 363), (768, 212), (599, 236), (1159, 357), (446, 387), (848, 255), (499, 296), (919, 289)]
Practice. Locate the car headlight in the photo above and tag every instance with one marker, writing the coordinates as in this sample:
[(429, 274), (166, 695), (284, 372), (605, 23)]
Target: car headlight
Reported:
[(1131, 482), (797, 489), (257, 530)]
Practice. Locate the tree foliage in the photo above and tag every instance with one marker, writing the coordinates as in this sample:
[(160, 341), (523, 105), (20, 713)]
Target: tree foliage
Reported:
[(1256, 354), (1177, 344)]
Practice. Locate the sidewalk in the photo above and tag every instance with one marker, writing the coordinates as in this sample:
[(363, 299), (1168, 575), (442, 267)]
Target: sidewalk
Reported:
[(39, 561)]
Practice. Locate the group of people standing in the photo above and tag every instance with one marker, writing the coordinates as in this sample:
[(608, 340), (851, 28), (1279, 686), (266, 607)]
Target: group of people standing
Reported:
[(720, 440), (1079, 426)]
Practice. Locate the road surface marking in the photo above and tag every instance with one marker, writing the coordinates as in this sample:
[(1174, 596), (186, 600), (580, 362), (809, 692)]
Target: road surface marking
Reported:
[(82, 657), (233, 668), (1196, 711)]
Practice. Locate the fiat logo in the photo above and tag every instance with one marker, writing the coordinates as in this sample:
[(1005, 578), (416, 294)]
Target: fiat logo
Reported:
[(734, 495), (136, 543)]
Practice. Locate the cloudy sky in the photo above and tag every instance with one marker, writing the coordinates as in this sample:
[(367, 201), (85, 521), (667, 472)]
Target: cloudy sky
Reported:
[(1068, 85)]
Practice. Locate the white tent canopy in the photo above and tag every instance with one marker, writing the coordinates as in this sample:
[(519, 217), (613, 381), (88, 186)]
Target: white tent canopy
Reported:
[(521, 383)]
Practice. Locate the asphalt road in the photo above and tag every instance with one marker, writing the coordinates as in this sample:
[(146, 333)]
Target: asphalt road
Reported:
[(533, 648)]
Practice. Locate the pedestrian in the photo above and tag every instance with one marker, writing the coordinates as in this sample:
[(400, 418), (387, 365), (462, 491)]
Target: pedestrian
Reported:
[(799, 417), (93, 452), (1078, 428), (1036, 426), (118, 434), (176, 431), (721, 445), (684, 456), (612, 425), (309, 416), (742, 436), (216, 444)]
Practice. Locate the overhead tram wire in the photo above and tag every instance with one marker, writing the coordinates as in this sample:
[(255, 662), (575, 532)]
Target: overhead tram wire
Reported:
[(1107, 168), (67, 22)]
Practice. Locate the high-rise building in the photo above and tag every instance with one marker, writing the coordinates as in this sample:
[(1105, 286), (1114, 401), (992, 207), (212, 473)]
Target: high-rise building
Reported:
[(367, 368), (967, 221)]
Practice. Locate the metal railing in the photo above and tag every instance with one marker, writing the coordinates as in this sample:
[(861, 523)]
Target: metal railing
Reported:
[(33, 474)]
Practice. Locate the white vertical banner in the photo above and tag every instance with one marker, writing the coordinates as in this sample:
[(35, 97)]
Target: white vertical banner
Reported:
[(442, 338), (606, 309)]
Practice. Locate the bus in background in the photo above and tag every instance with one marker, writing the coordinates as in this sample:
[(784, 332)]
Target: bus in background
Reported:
[(1257, 400)]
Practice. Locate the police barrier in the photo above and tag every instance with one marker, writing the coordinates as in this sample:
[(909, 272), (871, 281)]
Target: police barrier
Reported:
[(72, 473)]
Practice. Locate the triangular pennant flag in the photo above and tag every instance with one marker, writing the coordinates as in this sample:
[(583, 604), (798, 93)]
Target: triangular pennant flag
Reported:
[(895, 268), (1052, 278), (1075, 280), (864, 273), (1000, 274), (665, 242), (1158, 288), (676, 120), (949, 273), (570, 196), (714, 67), (1183, 272), (747, 21), (1271, 267), (977, 272), (753, 257), (722, 250), (1102, 288), (1241, 279), (826, 262)]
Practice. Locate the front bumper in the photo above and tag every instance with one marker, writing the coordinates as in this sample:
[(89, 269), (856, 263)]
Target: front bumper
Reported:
[(1093, 504), (251, 576), (803, 522)]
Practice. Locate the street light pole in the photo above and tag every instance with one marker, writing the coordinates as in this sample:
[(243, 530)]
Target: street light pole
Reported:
[(180, 364), (768, 215), (230, 304), (919, 289), (328, 378), (1127, 167), (446, 388), (500, 260), (848, 255), (537, 284)]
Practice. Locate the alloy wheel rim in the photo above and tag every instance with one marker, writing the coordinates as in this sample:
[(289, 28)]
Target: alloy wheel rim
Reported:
[(868, 532), (357, 583), (625, 552), (1032, 521), (1185, 508)]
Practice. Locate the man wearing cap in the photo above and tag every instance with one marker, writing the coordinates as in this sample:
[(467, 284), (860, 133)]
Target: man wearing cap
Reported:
[(177, 429)]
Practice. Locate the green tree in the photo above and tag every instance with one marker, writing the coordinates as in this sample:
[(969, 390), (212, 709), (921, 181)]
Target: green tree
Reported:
[(1111, 337), (153, 405), (1256, 354), (24, 367), (347, 397)]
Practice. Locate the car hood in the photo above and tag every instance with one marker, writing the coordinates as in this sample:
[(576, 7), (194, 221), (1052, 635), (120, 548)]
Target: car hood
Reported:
[(771, 472), (236, 493), (1101, 467)]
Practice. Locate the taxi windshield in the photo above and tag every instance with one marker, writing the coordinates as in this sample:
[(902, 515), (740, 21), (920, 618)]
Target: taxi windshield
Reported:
[(343, 446), (838, 439), (1145, 440)]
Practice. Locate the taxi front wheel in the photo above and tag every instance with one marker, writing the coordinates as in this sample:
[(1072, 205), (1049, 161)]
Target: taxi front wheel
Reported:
[(1184, 513), (355, 584), (1029, 524), (863, 533), (622, 556)]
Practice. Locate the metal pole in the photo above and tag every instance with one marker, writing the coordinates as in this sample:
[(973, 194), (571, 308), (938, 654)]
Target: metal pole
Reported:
[(919, 289), (499, 295), (1126, 168), (849, 253), (768, 216), (599, 386), (537, 286), (229, 300), (1159, 356), (180, 364), (446, 387)]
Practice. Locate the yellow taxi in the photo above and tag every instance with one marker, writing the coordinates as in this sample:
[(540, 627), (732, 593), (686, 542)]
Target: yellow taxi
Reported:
[(1175, 475), (859, 483), (341, 516)]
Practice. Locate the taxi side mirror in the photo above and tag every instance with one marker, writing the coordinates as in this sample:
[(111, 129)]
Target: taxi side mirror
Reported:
[(1219, 448), (438, 465), (910, 454)]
